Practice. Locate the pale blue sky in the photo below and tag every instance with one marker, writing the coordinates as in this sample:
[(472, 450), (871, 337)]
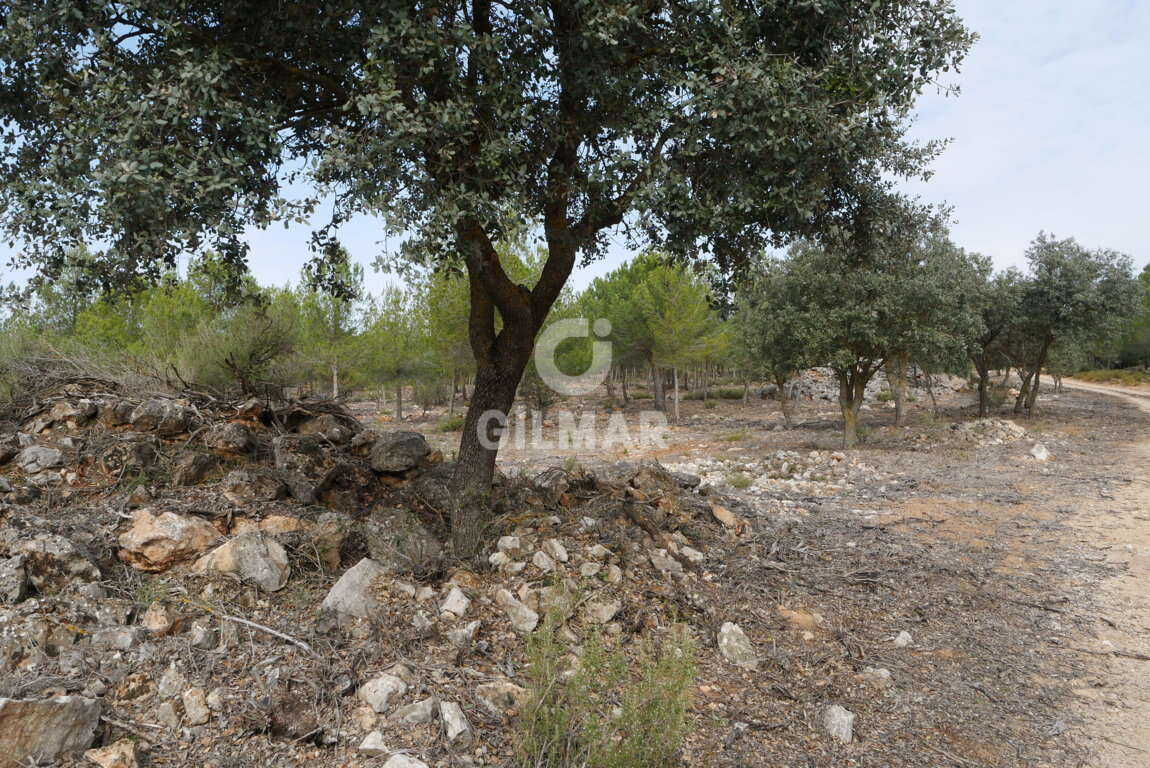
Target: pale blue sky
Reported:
[(1049, 133)]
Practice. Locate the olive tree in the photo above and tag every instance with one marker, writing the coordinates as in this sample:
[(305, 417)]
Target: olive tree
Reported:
[(1070, 292), (158, 126)]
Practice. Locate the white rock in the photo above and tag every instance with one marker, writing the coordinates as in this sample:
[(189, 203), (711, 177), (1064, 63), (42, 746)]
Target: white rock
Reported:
[(253, 556), (379, 692), (523, 619), (461, 637), (880, 676), (1039, 452), (196, 711), (903, 639), (664, 562), (543, 561), (499, 559), (454, 721), (602, 611), (736, 648), (373, 745), (404, 761), (172, 682), (839, 723), (120, 754), (599, 552), (456, 603), (614, 574), (419, 713), (509, 545), (351, 595), (587, 570), (556, 550), (694, 555)]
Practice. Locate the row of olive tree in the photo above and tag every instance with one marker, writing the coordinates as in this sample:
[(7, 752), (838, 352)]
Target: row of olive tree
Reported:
[(908, 294)]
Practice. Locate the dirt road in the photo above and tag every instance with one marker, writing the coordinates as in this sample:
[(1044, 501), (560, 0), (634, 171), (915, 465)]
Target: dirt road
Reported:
[(1118, 712)]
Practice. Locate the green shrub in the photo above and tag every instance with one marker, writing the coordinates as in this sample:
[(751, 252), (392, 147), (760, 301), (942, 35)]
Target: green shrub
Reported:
[(1126, 377), (450, 423), (885, 396), (611, 711), (740, 480), (710, 405), (734, 437)]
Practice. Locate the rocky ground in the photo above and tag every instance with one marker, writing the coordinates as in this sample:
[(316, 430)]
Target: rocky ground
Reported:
[(193, 584)]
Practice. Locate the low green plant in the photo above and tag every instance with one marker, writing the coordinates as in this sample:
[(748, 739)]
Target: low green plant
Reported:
[(640, 396), (884, 397), (611, 711), (711, 404), (1127, 377), (734, 437), (450, 423), (739, 480)]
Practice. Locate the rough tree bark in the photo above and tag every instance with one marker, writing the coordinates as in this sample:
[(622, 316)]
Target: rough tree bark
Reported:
[(658, 390), (785, 404), (852, 389), (896, 367)]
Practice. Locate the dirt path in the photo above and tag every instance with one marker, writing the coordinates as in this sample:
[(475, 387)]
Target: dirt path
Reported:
[(1117, 713)]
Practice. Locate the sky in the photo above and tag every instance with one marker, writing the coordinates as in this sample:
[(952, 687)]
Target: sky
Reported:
[(1049, 133)]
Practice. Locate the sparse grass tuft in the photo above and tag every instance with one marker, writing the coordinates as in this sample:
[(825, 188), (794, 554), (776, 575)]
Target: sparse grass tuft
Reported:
[(885, 396), (610, 711), (734, 437), (740, 480)]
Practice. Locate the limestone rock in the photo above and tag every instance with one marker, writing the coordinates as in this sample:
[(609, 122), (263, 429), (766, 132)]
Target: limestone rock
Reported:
[(419, 713), (156, 542), (121, 754), (53, 562), (373, 745), (839, 723), (523, 619), (396, 452), (13, 579), (543, 561), (47, 728), (512, 546), (736, 648), (230, 437), (398, 540), (456, 603), (461, 637), (351, 595), (242, 486), (1040, 452), (192, 468), (404, 761), (196, 711), (602, 611), (253, 556), (378, 693), (327, 536), (556, 550), (454, 722), (166, 417), (37, 458), (500, 697), (903, 639)]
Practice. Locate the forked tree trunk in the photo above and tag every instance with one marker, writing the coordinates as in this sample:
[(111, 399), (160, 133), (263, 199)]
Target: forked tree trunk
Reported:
[(1023, 391), (852, 389), (1032, 396)]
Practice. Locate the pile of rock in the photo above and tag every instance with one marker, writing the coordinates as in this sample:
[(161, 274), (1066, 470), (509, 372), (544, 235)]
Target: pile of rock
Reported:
[(988, 431), (784, 473)]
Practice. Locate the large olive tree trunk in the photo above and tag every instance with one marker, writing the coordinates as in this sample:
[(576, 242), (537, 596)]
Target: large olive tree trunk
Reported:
[(501, 356), (896, 366), (784, 391), (983, 369), (852, 389)]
